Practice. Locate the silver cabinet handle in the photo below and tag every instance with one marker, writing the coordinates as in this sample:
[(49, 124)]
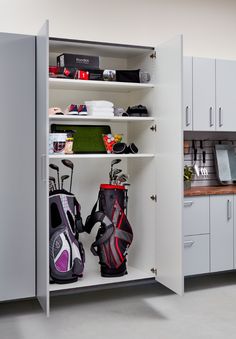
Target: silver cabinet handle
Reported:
[(43, 167), (188, 203), (220, 117), (211, 117), (187, 116), (188, 243), (229, 210)]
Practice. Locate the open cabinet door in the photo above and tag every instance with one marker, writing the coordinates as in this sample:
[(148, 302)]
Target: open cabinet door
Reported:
[(17, 169), (169, 165), (42, 55)]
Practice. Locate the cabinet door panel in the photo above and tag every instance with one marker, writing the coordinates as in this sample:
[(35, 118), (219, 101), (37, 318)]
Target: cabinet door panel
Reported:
[(234, 231), (221, 225), (225, 95), (196, 254), (187, 93), (17, 170), (169, 165), (203, 94), (42, 169), (196, 215)]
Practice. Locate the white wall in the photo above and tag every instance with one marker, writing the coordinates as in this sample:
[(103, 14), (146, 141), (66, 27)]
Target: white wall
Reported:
[(208, 26)]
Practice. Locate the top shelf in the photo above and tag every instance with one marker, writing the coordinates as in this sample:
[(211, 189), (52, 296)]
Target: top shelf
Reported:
[(105, 49), (89, 85)]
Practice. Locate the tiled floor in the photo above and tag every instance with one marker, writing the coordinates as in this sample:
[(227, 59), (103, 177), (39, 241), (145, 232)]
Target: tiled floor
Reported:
[(207, 311)]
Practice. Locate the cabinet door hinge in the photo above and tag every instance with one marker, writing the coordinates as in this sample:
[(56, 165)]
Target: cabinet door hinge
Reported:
[(153, 55), (154, 197), (153, 128), (154, 270)]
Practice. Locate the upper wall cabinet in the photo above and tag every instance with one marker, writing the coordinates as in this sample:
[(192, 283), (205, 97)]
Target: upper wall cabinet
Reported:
[(209, 100), (187, 93), (225, 95), (203, 94)]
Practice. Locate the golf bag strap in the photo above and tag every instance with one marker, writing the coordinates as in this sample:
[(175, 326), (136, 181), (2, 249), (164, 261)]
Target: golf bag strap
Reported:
[(106, 236), (78, 220), (91, 219)]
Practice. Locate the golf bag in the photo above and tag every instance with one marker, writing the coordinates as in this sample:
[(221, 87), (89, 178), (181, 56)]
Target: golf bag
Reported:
[(66, 253), (115, 233)]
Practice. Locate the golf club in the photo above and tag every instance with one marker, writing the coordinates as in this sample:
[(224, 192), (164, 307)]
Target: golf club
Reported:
[(115, 174), (69, 164), (51, 186), (122, 179), (53, 180), (63, 177), (114, 162), (56, 168)]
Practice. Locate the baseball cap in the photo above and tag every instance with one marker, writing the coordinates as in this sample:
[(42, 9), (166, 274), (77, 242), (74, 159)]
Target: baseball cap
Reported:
[(55, 111)]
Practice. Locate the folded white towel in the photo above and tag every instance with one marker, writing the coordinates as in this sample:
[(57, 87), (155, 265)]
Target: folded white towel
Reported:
[(100, 109), (102, 115), (99, 103)]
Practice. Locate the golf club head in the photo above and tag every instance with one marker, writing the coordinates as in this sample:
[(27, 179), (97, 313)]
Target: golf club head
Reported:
[(54, 167), (64, 177), (115, 161), (117, 171), (123, 177), (68, 163)]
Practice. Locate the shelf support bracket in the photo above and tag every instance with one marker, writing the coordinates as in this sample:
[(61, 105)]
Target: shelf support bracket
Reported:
[(153, 197), (154, 270), (153, 55), (153, 128)]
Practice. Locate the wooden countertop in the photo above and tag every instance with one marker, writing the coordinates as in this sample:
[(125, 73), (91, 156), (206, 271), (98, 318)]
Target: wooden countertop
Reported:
[(210, 190)]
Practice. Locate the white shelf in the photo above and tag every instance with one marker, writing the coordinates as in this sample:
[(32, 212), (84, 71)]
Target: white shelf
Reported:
[(93, 278), (100, 156), (71, 84), (94, 118)]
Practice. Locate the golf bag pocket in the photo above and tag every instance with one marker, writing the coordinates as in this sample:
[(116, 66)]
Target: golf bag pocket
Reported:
[(115, 234), (65, 250), (66, 258)]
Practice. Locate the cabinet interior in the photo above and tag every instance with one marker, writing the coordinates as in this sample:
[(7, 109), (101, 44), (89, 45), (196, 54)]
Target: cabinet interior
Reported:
[(90, 173)]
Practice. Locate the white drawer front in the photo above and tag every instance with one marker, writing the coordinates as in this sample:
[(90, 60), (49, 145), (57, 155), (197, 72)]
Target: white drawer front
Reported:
[(196, 215), (196, 254)]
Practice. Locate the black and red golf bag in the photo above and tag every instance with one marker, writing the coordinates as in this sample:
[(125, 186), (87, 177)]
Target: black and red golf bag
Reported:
[(115, 233), (66, 253)]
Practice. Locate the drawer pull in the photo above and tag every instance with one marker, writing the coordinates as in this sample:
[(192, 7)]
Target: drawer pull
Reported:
[(187, 116), (220, 117), (188, 243), (188, 203), (211, 117), (229, 210)]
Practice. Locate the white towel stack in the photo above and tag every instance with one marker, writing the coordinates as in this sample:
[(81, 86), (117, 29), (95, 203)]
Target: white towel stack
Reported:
[(100, 108)]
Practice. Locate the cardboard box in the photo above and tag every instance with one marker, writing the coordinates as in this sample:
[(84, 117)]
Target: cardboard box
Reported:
[(78, 61)]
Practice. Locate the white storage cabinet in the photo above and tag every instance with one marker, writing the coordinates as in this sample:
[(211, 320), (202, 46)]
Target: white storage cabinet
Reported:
[(209, 101), (225, 95), (222, 234), (203, 94), (156, 252), (196, 221), (187, 93)]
